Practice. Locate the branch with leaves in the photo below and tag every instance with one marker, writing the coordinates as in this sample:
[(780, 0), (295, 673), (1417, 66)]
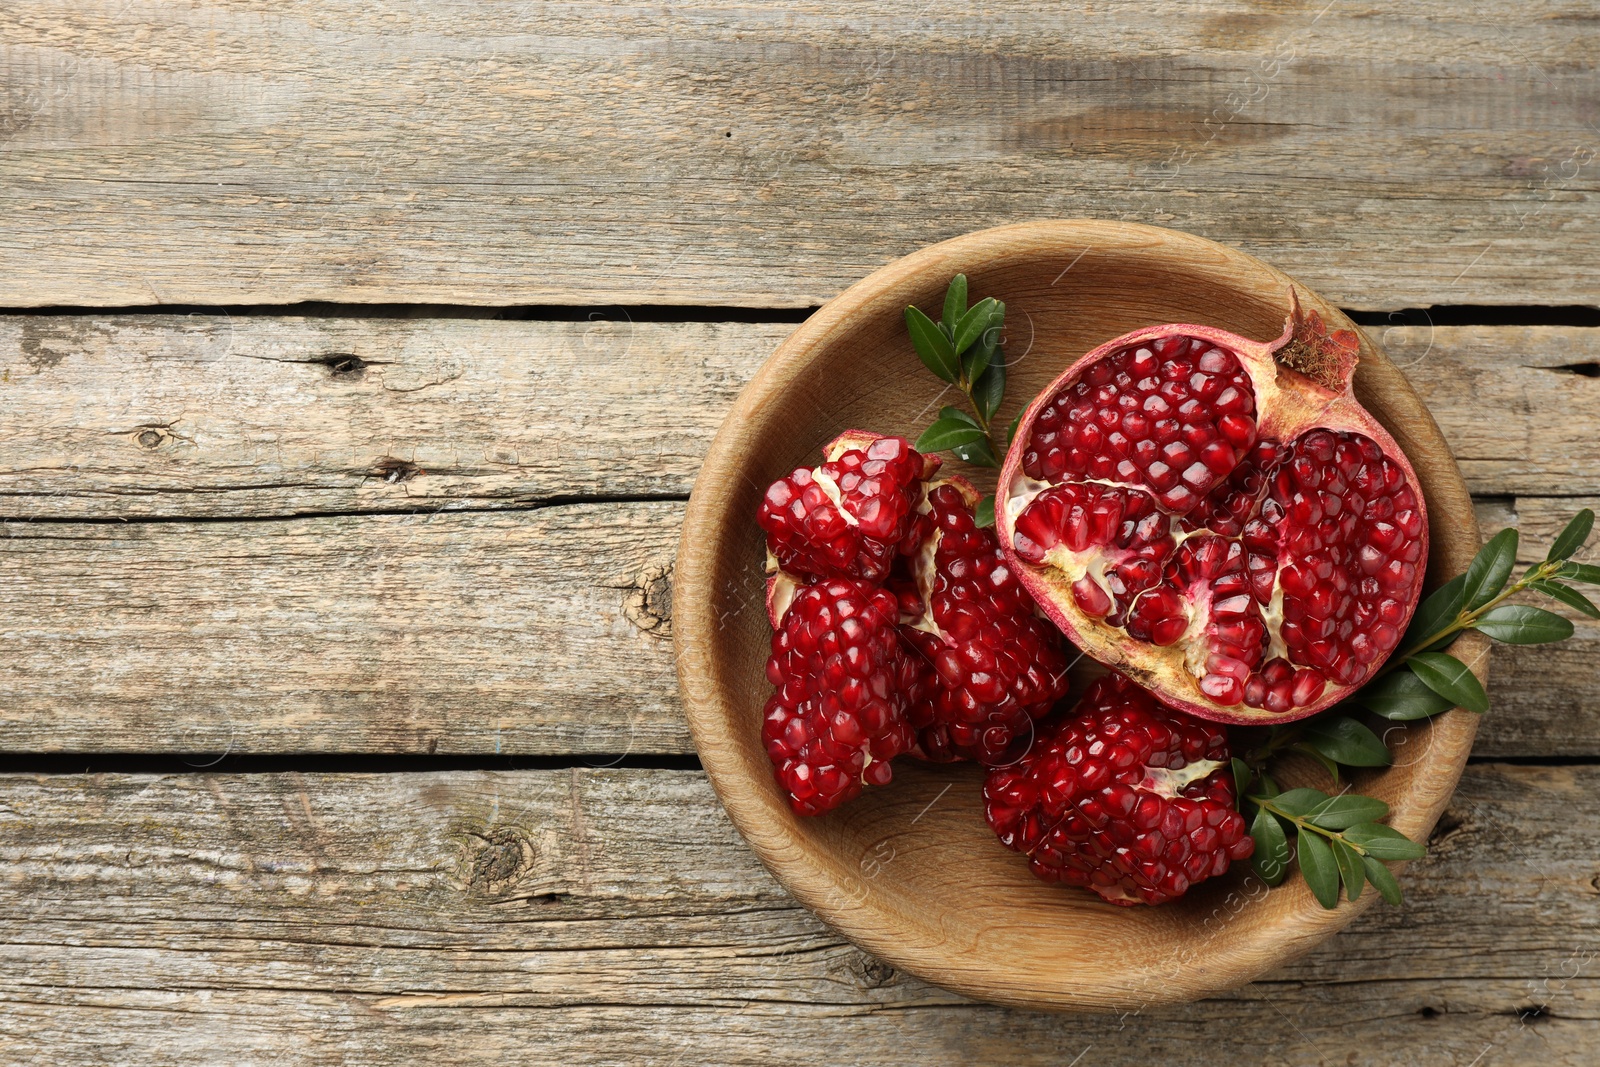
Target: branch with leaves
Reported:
[(1339, 839), (964, 349)]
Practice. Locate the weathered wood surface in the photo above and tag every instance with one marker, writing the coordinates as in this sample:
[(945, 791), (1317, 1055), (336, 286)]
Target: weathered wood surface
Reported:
[(134, 416), (615, 917), (514, 152), (539, 631), (108, 416), (449, 632), (542, 631)]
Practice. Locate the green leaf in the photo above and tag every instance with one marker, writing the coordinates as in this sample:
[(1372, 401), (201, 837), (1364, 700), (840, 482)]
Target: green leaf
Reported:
[(1011, 434), (932, 346), (1489, 569), (1401, 696), (1241, 776), (1269, 788), (1519, 624), (959, 415), (1271, 857), (1382, 879), (1573, 537), (1439, 610), (1297, 802), (955, 302), (1347, 809), (978, 453), (1347, 741), (1350, 872), (1587, 573), (989, 390), (979, 356), (983, 514), (973, 323), (1568, 596), (1318, 868), (1384, 842), (949, 434), (1449, 677)]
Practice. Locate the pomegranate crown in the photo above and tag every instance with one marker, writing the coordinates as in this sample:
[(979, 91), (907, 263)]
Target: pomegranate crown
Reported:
[(1308, 347)]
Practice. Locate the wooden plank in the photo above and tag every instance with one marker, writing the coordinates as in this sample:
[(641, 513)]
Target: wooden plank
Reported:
[(511, 153), (133, 416), (530, 631), (614, 917), (543, 631), (137, 416)]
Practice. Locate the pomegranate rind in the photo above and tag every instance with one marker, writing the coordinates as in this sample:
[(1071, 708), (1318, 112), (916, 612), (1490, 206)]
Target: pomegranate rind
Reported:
[(1288, 403)]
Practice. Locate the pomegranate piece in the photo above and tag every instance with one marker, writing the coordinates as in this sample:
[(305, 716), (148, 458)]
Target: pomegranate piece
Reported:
[(1124, 796), (1219, 518), (847, 517), (837, 715), (982, 666)]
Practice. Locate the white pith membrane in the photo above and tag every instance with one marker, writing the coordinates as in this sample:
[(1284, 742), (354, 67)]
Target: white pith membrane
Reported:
[(923, 567), (1069, 567), (1283, 414), (782, 588), (1169, 783), (830, 489)]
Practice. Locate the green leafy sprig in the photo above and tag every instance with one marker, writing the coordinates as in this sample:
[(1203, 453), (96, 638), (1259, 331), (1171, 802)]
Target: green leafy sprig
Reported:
[(1339, 839), (964, 349)]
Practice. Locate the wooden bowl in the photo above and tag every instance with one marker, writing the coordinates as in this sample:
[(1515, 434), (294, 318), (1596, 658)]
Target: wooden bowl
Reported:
[(910, 872)]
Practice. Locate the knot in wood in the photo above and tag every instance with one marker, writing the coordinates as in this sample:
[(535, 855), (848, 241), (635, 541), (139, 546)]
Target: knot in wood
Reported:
[(151, 438), (394, 471), (503, 858), (649, 601), (344, 367), (870, 971)]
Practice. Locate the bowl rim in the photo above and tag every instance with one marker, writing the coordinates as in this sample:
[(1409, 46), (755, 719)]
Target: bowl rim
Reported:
[(873, 927)]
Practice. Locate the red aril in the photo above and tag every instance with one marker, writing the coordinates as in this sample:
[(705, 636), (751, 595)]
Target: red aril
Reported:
[(1218, 517)]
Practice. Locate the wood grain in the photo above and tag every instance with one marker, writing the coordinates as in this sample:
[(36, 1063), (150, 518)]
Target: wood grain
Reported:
[(135, 416), (539, 632), (512, 152), (615, 917), (531, 631), (132, 416)]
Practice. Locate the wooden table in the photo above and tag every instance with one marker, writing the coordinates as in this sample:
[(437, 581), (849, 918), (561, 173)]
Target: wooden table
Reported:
[(358, 358)]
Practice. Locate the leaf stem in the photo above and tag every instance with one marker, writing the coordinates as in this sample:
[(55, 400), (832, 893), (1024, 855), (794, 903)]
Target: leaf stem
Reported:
[(1301, 824)]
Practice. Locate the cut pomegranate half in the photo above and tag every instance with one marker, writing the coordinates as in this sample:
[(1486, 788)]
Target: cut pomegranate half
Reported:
[(1218, 517)]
